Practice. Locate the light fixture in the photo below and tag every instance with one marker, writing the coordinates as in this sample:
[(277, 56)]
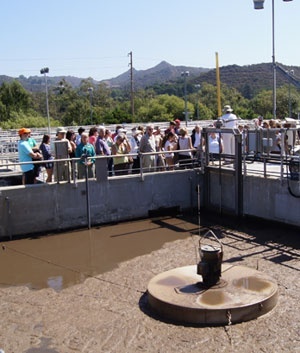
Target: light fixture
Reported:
[(258, 4), (45, 70)]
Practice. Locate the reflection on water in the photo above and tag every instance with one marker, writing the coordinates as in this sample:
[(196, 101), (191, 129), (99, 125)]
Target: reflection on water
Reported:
[(62, 260), (55, 282), (253, 284)]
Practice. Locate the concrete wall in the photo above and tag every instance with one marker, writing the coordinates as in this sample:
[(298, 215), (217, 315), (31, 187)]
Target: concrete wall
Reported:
[(266, 198), (220, 189), (51, 207), (271, 199)]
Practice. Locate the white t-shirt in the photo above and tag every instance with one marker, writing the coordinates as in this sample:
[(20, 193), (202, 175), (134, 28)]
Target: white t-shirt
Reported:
[(184, 144), (169, 145), (197, 139), (229, 120), (213, 144)]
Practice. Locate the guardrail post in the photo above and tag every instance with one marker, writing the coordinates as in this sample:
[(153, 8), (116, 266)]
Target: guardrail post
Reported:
[(141, 166), (238, 174), (87, 192)]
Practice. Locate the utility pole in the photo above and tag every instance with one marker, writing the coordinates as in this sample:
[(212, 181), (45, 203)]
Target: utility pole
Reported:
[(218, 85), (290, 72), (131, 85), (185, 74)]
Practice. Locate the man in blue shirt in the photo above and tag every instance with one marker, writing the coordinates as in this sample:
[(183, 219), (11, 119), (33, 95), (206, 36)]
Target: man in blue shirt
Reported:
[(26, 155)]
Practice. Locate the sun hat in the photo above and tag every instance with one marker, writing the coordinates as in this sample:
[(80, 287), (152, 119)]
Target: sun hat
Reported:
[(61, 130), (24, 130), (227, 109), (136, 132)]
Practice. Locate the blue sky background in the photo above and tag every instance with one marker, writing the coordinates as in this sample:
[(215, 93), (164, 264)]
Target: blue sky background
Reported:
[(92, 38)]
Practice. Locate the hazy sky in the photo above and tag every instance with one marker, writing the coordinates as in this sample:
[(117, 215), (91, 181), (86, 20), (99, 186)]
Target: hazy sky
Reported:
[(93, 37)]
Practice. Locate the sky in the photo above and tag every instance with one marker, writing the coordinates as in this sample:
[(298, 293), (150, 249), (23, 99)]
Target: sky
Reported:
[(92, 38)]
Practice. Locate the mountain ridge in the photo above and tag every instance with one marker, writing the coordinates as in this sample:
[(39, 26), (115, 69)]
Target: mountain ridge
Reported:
[(160, 73), (248, 79)]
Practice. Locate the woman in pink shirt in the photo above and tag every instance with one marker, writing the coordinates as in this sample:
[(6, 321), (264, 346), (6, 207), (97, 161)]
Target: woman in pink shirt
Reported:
[(93, 134)]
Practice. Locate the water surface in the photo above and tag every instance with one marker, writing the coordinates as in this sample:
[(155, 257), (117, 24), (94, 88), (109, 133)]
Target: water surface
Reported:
[(65, 259)]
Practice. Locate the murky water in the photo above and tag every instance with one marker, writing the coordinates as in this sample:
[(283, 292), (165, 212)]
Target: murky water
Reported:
[(62, 260)]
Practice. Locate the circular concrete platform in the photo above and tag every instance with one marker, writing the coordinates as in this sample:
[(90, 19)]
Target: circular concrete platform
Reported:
[(243, 294)]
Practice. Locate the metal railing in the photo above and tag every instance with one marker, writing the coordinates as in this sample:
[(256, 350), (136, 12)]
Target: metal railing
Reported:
[(256, 158), (256, 151)]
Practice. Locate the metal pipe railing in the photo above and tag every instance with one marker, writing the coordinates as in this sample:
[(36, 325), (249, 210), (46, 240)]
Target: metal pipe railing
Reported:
[(201, 158)]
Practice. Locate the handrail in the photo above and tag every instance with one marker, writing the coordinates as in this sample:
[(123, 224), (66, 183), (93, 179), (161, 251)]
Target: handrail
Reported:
[(273, 164)]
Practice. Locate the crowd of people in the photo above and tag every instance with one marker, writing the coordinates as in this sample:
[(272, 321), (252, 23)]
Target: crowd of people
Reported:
[(148, 148), (123, 150)]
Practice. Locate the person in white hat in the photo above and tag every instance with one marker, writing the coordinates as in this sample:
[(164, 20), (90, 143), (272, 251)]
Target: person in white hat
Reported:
[(61, 149), (228, 118), (230, 121)]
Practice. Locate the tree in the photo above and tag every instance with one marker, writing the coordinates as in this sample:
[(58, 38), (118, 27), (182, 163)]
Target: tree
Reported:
[(2, 111), (118, 115), (161, 108), (208, 98), (262, 104), (15, 98), (285, 96), (205, 113), (175, 106), (78, 113)]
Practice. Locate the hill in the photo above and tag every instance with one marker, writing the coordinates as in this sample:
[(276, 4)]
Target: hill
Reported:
[(161, 73), (37, 83), (248, 79), (166, 78)]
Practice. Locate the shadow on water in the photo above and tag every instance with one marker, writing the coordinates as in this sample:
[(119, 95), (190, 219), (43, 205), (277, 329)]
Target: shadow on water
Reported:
[(62, 260)]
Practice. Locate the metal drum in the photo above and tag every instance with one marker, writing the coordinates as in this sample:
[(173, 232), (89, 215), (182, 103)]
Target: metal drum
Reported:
[(211, 256)]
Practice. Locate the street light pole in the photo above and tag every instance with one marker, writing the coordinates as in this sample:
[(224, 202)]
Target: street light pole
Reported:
[(44, 72), (258, 5), (91, 89), (185, 74), (290, 72)]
